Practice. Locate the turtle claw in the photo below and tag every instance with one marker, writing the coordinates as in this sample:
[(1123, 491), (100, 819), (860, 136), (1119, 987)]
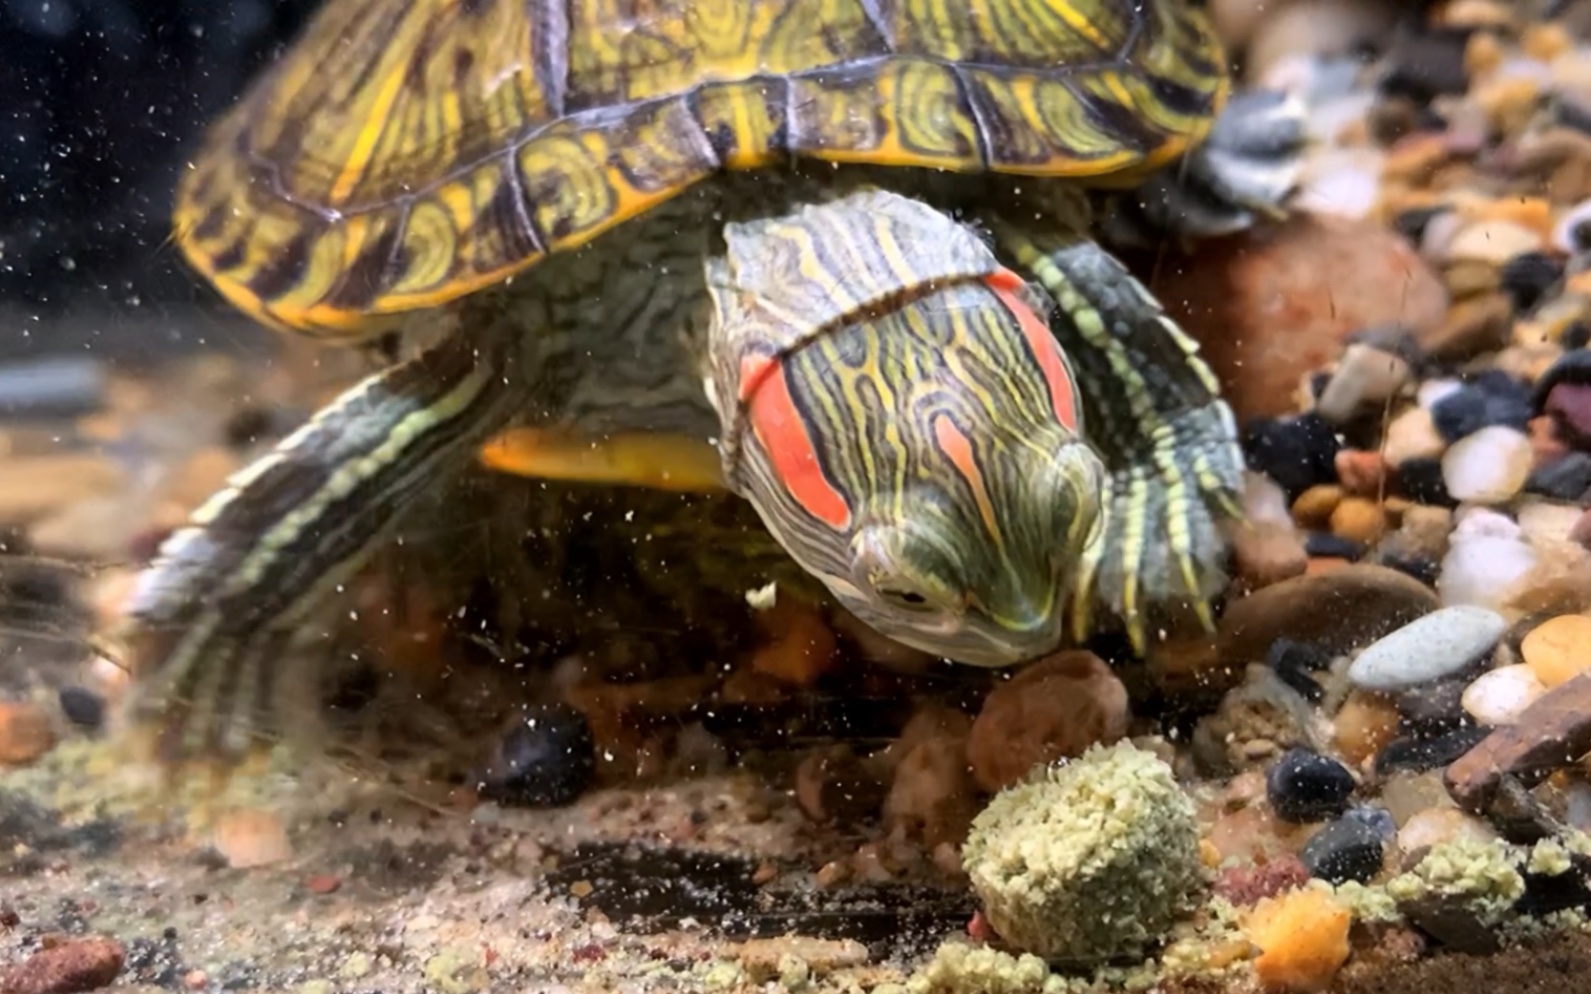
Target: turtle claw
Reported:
[(1242, 173)]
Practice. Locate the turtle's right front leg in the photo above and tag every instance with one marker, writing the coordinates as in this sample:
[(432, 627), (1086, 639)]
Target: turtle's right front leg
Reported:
[(211, 618)]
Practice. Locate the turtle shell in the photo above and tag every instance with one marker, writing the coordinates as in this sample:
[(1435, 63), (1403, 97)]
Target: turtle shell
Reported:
[(406, 152)]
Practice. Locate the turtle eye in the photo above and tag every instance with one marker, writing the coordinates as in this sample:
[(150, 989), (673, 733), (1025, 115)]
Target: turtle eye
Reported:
[(897, 593)]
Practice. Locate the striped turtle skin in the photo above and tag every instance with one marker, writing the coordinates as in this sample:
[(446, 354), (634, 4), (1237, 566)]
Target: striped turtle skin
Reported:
[(946, 401)]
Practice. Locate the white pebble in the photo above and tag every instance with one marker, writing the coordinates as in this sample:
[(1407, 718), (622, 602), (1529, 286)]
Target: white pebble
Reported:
[(1494, 242), (1265, 500), (1489, 466), (1413, 435), (1342, 183), (1365, 376), (1563, 232), (1439, 645), (1498, 696), (1432, 391), (1483, 522), (1434, 826), (1482, 570)]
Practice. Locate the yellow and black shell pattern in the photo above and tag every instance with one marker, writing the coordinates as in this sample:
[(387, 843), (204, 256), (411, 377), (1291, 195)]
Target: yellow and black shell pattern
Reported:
[(406, 152)]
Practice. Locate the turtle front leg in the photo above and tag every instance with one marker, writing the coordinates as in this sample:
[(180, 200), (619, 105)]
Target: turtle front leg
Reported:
[(212, 617), (1244, 171), (1168, 440)]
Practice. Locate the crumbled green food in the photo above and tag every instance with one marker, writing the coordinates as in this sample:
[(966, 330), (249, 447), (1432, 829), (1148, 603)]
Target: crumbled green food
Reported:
[(1094, 859), (1482, 875), (959, 968), (1368, 904)]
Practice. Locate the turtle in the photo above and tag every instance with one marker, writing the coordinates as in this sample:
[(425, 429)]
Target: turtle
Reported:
[(835, 257)]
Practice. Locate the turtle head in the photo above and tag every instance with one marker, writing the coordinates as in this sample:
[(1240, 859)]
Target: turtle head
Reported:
[(897, 410)]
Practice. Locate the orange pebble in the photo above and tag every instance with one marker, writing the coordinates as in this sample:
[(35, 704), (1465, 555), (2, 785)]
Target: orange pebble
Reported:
[(802, 647), (1361, 472), (1558, 648), (1545, 42), (1359, 519), (25, 733), (1303, 940)]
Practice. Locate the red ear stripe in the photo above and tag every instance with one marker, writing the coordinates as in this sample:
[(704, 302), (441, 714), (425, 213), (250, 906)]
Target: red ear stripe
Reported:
[(1063, 393), (783, 435)]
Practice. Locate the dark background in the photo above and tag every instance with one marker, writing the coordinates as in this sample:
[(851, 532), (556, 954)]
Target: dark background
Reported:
[(100, 102)]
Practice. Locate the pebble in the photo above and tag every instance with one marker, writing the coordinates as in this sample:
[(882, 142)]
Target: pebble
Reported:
[(25, 733), (1345, 849), (1314, 609), (1470, 408), (835, 786), (1548, 736), (1440, 644), (1361, 472), (801, 646), (1359, 519), (1567, 477), (1489, 466), (1421, 481), (546, 758), (1558, 649), (1296, 452), (72, 964), (1365, 376), (1321, 544), (1492, 242), (932, 798), (1051, 710), (1528, 277), (1302, 937), (1364, 725), (1304, 786), (1296, 663), (1482, 569), (1497, 697), (82, 707), (1412, 435), (1433, 708), (250, 837), (1313, 507), (1440, 825), (1415, 754), (1267, 306), (1267, 552)]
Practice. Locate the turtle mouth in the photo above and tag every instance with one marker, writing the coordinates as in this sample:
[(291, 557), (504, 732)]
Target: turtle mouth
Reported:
[(982, 643)]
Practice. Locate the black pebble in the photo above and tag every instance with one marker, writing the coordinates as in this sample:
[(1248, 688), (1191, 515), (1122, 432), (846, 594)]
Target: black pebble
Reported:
[(1421, 481), (82, 707), (1494, 401), (1576, 336), (1527, 278), (1411, 224), (1377, 818), (1434, 708), (547, 759), (1416, 754), (1296, 452), (1295, 662), (1327, 544), (1304, 786), (1421, 568), (1347, 849), (1426, 65), (1573, 366), (1565, 478)]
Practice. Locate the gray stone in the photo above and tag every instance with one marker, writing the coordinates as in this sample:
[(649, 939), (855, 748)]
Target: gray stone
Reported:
[(1439, 645)]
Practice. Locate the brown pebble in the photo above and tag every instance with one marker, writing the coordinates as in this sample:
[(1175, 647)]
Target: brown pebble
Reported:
[(1051, 710), (1313, 507), (25, 733), (1340, 610), (1361, 472), (1272, 305), (833, 784), (933, 797), (1472, 327), (1320, 565), (801, 647), (1267, 552), (1551, 734), (1364, 725), (1544, 442), (1359, 519), (69, 966), (323, 883)]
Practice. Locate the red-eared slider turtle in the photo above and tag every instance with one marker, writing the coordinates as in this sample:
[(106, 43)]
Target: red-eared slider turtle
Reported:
[(832, 254)]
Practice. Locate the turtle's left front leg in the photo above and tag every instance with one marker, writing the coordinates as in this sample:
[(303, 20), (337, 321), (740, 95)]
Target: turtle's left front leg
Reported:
[(1154, 412)]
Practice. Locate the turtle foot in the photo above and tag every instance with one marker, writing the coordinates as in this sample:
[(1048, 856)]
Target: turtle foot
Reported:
[(1162, 557), (1244, 171)]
